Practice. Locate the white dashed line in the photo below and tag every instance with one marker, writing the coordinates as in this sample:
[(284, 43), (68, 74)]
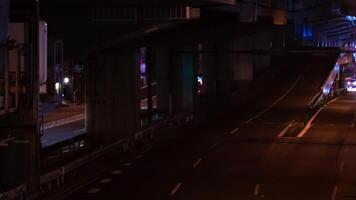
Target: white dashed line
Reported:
[(257, 190), (284, 131), (94, 190), (333, 196), (197, 162), (80, 131), (128, 164), (307, 127), (175, 189), (234, 131), (106, 180), (117, 172)]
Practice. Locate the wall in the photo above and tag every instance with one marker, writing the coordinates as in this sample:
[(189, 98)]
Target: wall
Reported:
[(112, 103)]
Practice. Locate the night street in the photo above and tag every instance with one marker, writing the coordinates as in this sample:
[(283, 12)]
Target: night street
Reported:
[(177, 99)]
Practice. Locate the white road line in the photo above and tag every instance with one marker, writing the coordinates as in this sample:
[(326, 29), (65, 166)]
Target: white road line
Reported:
[(128, 164), (117, 172), (80, 131), (307, 127), (197, 162), (94, 190), (333, 196), (284, 131), (332, 101), (234, 131), (175, 189), (62, 122), (277, 101), (257, 190), (105, 180)]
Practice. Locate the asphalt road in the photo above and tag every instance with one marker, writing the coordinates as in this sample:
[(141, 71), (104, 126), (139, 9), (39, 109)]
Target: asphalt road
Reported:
[(247, 156), (62, 132)]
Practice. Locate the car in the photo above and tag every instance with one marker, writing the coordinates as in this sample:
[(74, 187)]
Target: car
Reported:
[(350, 85)]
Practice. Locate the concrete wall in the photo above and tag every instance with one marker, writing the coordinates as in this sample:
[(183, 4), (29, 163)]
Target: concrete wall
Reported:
[(162, 61), (112, 103), (4, 25)]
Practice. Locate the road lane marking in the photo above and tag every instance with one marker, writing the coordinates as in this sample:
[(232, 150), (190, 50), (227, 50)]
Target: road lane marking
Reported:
[(234, 131), (80, 131), (128, 164), (333, 196), (62, 122), (105, 180), (117, 172), (284, 131), (277, 101), (307, 127), (214, 145), (257, 190), (175, 189), (197, 162), (94, 190)]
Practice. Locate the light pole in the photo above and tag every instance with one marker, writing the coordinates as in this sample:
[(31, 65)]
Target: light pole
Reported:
[(59, 69)]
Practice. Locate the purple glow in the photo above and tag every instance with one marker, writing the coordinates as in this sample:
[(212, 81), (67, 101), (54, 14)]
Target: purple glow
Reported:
[(143, 68)]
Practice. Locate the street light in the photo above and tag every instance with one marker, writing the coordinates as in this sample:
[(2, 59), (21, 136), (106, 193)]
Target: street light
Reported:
[(66, 80)]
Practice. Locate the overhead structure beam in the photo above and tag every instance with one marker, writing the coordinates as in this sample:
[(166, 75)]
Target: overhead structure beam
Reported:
[(339, 34)]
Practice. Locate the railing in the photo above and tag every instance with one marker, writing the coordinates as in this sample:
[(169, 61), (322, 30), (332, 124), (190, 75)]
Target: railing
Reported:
[(58, 175), (16, 193)]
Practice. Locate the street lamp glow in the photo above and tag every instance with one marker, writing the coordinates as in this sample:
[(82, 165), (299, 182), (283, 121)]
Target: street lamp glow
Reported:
[(66, 80), (57, 87)]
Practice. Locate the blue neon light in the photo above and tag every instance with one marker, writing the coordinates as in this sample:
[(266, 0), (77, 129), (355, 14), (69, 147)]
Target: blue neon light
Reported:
[(351, 18), (307, 31)]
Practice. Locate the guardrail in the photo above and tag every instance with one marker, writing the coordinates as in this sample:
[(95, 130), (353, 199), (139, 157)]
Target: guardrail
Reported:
[(57, 176), (16, 193)]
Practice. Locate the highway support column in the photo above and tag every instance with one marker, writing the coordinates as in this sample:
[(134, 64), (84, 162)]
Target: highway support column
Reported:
[(112, 90), (162, 59)]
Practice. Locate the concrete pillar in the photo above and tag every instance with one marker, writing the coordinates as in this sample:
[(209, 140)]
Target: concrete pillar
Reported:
[(209, 69), (223, 69), (112, 90), (184, 81), (242, 64), (263, 41), (187, 80), (162, 57)]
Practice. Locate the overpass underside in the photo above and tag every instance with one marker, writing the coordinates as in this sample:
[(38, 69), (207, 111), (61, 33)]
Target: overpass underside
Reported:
[(247, 65)]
